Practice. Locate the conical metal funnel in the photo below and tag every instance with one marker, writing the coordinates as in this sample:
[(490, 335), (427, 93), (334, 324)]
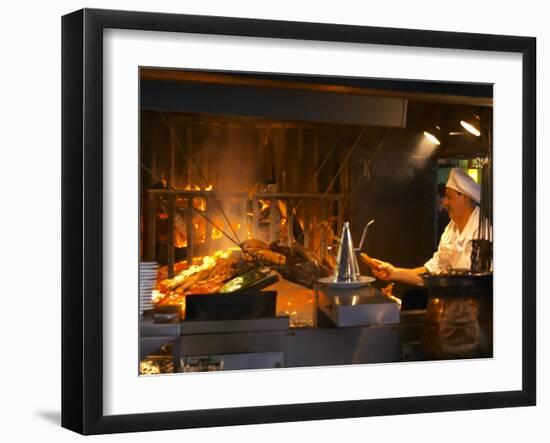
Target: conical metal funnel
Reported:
[(347, 268)]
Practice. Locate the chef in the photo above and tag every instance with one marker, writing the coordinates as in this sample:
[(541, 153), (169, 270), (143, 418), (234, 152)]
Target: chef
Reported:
[(462, 196)]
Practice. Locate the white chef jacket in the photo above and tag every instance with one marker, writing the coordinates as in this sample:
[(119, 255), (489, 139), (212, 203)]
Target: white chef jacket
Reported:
[(455, 247)]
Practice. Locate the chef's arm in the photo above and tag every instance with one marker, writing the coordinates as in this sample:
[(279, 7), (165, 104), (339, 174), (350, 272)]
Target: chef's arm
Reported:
[(386, 271), (410, 276)]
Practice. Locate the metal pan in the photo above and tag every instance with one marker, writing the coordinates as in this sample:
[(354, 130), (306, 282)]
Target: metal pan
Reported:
[(458, 280)]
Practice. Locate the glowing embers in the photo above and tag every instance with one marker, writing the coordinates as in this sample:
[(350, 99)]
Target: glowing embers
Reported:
[(160, 362), (216, 234), (296, 268), (296, 302)]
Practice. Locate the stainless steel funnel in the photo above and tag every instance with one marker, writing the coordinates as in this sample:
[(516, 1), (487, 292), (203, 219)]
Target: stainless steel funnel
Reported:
[(347, 268)]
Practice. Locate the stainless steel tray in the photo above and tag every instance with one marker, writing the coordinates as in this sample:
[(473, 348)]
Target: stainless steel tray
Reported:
[(364, 280)]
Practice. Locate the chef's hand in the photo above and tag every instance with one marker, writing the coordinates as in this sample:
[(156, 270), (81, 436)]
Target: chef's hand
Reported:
[(382, 270)]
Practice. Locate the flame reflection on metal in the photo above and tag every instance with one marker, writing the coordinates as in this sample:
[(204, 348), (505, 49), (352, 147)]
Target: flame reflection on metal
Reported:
[(347, 268)]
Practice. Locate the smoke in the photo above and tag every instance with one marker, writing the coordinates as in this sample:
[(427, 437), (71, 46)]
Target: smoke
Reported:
[(416, 160), (406, 161)]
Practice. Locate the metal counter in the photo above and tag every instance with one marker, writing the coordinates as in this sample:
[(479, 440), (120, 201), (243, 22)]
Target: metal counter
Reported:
[(262, 343)]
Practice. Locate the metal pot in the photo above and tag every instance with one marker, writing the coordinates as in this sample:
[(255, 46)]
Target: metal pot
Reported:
[(459, 316)]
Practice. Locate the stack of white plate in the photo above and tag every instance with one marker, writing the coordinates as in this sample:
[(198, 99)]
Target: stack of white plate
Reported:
[(147, 281)]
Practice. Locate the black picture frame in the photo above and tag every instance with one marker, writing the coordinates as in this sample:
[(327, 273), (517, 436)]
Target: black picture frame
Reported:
[(82, 218)]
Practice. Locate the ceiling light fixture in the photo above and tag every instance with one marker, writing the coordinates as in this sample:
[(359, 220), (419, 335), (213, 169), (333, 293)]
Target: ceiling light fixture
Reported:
[(472, 125), (432, 138)]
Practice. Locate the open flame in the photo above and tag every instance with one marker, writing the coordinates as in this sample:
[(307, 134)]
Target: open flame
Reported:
[(265, 204), (201, 227), (268, 221), (190, 187), (210, 274), (166, 292)]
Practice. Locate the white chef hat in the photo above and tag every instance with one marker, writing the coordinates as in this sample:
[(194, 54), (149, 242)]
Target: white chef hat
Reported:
[(463, 183)]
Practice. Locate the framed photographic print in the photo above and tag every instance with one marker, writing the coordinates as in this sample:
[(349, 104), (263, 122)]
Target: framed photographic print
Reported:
[(269, 221)]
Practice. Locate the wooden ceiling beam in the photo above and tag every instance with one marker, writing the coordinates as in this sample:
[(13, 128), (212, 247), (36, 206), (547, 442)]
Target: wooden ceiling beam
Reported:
[(247, 80)]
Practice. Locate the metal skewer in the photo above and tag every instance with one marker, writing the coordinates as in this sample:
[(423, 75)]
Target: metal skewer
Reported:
[(210, 195)]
